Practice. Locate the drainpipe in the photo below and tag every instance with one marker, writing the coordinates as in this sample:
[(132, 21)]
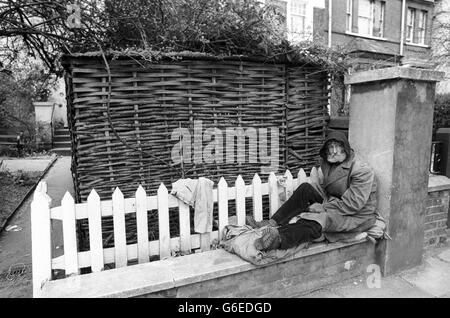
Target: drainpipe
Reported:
[(330, 12), (402, 34)]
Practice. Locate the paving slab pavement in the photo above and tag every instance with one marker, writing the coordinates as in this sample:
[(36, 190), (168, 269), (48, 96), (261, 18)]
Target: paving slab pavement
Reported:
[(390, 287), (445, 256), (432, 277), (429, 280)]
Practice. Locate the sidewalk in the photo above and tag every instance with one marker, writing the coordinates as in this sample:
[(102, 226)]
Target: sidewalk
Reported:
[(15, 247), (430, 280)]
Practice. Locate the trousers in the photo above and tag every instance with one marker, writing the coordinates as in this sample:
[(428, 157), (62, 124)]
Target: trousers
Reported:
[(302, 231)]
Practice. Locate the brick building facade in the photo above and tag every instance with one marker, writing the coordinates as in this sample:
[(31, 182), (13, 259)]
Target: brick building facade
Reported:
[(374, 33)]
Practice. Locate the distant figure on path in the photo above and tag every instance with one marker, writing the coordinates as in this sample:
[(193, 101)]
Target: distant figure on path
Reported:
[(20, 144)]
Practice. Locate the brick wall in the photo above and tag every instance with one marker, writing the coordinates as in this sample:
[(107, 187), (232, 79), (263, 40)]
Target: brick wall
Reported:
[(436, 214), (287, 279)]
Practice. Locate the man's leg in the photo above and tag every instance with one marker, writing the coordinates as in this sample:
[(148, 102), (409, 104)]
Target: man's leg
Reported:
[(289, 235), (302, 231), (301, 199)]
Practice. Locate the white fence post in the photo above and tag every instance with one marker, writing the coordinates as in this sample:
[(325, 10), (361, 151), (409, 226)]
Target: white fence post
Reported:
[(120, 240), (185, 227), (289, 184), (314, 175), (301, 177), (257, 198), (274, 200), (222, 199), (142, 225), (95, 232), (69, 235), (163, 221), (240, 200), (41, 252)]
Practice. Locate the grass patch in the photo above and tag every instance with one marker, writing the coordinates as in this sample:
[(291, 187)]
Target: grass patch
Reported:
[(13, 188)]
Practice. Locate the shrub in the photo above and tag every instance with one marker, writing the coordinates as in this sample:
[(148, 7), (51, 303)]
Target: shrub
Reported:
[(441, 112)]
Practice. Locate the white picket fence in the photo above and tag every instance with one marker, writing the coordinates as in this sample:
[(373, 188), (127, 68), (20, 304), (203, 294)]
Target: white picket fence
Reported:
[(94, 209)]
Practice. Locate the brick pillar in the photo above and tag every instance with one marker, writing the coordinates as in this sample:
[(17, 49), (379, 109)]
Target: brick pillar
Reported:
[(391, 118)]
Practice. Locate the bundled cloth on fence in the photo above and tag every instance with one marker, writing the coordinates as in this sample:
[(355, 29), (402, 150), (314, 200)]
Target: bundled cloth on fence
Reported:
[(240, 240), (197, 193), (283, 195)]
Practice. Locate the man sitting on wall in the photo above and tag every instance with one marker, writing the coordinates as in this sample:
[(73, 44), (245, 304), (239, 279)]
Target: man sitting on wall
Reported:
[(343, 200)]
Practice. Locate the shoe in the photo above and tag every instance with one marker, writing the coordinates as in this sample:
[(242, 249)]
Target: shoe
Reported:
[(270, 239), (250, 221)]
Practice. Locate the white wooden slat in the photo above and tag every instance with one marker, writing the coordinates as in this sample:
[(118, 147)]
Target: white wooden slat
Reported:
[(84, 259), (163, 220), (69, 235), (81, 209), (274, 200), (205, 243), (301, 177), (120, 241), (240, 200), (43, 188), (257, 198), (41, 251), (142, 225), (185, 227), (314, 174), (289, 184), (38, 190), (222, 199), (95, 232)]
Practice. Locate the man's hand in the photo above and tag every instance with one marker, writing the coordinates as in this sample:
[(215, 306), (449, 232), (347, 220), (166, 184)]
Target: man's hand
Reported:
[(316, 208)]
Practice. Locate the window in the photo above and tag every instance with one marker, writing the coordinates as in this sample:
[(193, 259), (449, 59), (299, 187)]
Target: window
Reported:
[(416, 25), (365, 17), (298, 17), (421, 27), (369, 17), (378, 19), (410, 25)]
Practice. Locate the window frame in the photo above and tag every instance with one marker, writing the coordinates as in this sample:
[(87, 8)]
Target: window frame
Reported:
[(350, 14), (382, 18), (349, 20), (369, 18), (302, 6), (422, 27), (410, 22)]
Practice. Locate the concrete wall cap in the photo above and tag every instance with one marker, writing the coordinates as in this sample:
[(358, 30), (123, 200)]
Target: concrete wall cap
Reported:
[(396, 72), (438, 183), (146, 278)]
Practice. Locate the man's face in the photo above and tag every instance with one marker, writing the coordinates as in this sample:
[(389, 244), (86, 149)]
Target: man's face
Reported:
[(335, 152)]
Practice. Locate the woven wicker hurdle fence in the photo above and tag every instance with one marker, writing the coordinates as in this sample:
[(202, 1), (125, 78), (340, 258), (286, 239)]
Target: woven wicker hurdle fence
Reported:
[(144, 104)]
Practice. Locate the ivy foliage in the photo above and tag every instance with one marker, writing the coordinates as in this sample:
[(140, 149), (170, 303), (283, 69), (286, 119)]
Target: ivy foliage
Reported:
[(441, 117), (219, 28)]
